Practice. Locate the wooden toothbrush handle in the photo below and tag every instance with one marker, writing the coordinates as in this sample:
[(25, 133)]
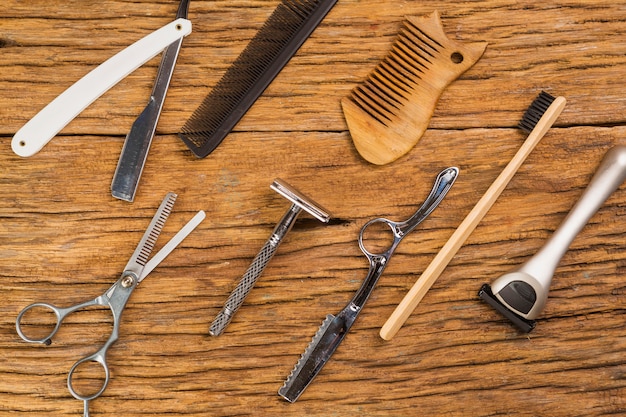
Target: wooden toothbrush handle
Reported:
[(447, 252)]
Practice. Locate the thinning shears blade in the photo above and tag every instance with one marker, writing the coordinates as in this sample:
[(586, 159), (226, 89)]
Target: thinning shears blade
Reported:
[(137, 143), (139, 259), (172, 244)]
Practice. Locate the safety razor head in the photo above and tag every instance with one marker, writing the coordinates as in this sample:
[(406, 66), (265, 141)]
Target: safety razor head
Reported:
[(300, 200), (521, 323)]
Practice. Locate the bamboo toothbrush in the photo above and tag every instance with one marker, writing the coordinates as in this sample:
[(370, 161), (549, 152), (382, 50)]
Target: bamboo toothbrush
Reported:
[(539, 117)]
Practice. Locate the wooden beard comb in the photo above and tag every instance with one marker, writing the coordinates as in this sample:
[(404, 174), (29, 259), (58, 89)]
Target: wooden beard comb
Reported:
[(388, 113)]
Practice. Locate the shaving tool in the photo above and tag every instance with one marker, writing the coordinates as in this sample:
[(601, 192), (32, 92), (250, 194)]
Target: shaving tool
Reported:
[(521, 295), (537, 120), (388, 113), (39, 130), (268, 52), (299, 202), (139, 138), (335, 328), (115, 298)]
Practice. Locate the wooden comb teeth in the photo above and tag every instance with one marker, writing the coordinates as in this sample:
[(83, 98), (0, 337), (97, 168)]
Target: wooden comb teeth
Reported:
[(245, 80), (388, 113)]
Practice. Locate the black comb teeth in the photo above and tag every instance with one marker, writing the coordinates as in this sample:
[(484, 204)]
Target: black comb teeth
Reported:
[(267, 53), (536, 110)]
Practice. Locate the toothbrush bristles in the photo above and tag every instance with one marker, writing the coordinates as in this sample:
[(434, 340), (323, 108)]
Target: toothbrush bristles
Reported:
[(536, 110)]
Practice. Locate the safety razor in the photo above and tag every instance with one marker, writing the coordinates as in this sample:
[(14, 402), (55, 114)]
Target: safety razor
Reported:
[(299, 202)]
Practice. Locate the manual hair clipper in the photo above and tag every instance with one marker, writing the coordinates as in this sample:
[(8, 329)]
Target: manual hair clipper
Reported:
[(521, 295)]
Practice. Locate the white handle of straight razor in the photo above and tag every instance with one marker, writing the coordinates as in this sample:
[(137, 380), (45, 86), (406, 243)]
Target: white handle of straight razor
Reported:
[(39, 130)]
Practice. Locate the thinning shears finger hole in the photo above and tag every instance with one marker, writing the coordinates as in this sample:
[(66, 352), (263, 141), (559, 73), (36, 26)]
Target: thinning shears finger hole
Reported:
[(38, 322), (89, 377)]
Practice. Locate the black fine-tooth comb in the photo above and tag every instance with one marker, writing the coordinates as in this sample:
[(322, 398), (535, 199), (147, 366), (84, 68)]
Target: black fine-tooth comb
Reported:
[(267, 53)]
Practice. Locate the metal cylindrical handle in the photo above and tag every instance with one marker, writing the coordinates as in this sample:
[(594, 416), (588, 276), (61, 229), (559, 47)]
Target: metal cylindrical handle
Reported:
[(608, 177), (236, 298), (256, 268)]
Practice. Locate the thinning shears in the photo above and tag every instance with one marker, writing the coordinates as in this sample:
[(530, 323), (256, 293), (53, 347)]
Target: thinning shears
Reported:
[(115, 298)]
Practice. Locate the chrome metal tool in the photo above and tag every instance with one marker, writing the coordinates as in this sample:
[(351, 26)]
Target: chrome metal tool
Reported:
[(521, 295), (139, 138), (116, 297), (334, 328), (299, 202)]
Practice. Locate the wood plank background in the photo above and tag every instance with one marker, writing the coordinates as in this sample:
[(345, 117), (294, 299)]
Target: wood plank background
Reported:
[(64, 239)]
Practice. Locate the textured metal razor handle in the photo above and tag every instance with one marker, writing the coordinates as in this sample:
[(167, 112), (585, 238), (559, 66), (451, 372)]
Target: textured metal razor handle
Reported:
[(256, 268), (236, 298)]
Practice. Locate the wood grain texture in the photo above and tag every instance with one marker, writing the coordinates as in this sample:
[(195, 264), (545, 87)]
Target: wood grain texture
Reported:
[(64, 239)]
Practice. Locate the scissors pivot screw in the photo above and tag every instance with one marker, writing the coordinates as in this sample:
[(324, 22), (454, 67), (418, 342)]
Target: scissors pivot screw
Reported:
[(128, 281)]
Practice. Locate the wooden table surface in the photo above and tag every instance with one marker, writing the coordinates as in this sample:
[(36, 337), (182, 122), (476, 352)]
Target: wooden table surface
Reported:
[(64, 239)]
